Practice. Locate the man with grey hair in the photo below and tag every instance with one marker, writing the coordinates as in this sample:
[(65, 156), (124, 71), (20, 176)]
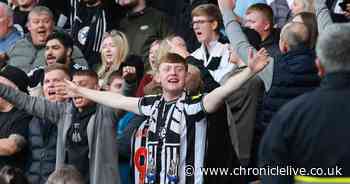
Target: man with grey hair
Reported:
[(305, 130), (8, 34), (28, 52)]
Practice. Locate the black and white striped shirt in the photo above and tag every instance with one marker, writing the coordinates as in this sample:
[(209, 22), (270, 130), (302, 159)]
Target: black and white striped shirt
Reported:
[(173, 137), (215, 59)]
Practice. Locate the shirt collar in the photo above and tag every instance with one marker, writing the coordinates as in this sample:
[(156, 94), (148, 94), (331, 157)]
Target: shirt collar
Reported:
[(211, 46), (336, 80)]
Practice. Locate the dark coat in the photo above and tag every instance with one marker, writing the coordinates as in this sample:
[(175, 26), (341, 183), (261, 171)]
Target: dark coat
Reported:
[(311, 131), (294, 74), (42, 138)]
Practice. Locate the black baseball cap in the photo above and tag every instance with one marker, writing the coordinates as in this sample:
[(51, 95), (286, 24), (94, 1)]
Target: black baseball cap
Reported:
[(15, 75)]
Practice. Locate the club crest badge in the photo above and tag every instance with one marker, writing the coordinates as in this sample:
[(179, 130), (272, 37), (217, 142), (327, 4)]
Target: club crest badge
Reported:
[(82, 35)]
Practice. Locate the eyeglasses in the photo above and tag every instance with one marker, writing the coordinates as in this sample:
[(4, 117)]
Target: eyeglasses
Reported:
[(200, 22)]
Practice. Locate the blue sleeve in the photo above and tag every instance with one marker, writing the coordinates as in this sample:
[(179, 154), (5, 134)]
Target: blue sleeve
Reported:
[(243, 5)]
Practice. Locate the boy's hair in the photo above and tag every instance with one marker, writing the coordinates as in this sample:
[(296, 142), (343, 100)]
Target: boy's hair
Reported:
[(173, 58), (208, 10), (114, 75), (264, 9), (89, 73), (64, 38), (66, 174), (57, 66)]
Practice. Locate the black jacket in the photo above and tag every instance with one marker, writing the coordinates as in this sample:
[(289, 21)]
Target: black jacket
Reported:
[(89, 25), (271, 43), (294, 74), (42, 142), (311, 131)]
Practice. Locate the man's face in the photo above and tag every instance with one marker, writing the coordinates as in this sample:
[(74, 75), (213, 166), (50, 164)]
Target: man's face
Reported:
[(172, 77), (40, 26), (204, 28), (25, 3), (297, 7), (5, 23), (109, 50), (255, 20), (87, 82), (50, 80), (55, 51), (116, 85)]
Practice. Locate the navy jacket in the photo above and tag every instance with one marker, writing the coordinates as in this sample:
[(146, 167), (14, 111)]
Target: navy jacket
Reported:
[(42, 142), (294, 74)]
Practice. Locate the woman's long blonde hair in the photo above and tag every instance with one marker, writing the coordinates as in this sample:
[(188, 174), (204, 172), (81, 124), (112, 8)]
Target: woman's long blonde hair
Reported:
[(122, 44)]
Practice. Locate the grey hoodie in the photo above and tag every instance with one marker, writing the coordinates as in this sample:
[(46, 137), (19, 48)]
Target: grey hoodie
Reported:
[(103, 152)]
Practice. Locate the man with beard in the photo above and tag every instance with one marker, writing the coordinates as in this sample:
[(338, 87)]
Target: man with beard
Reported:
[(89, 20), (28, 52), (58, 49), (142, 26), (85, 130)]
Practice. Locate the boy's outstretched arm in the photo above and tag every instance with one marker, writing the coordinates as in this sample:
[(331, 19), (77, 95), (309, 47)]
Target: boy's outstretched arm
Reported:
[(110, 99)]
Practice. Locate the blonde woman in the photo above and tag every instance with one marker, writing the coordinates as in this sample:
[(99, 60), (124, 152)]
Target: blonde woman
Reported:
[(114, 56), (148, 85)]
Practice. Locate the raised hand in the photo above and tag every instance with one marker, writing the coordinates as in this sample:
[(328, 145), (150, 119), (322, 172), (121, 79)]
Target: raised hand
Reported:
[(234, 58), (227, 4), (178, 49), (67, 89), (129, 73), (257, 61)]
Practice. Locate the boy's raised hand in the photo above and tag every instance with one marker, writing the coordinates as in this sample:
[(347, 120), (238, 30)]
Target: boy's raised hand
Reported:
[(227, 4), (257, 61), (129, 73)]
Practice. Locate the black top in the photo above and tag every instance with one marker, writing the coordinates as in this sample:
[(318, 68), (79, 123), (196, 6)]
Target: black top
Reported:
[(14, 122), (77, 140), (42, 138), (271, 43), (20, 18), (89, 24)]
